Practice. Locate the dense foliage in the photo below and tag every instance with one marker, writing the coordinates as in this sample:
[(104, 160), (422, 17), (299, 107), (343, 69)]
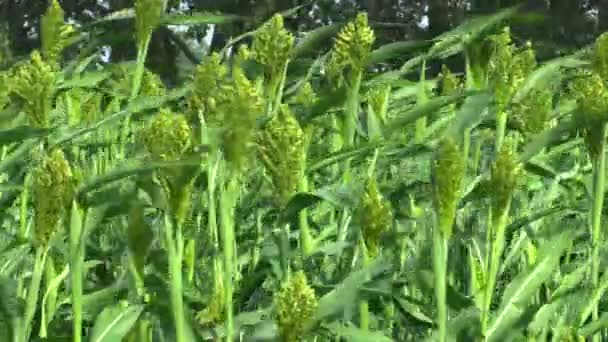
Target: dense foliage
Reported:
[(289, 192)]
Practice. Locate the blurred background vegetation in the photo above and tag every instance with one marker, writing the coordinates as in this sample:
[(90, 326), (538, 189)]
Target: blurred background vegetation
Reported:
[(567, 25)]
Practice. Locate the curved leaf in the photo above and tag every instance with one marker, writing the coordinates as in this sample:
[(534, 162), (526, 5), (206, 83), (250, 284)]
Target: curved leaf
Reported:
[(518, 293), (115, 322)]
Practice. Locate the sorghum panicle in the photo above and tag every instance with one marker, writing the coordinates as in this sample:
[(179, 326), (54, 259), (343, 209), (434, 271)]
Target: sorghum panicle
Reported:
[(240, 110), (352, 46), (282, 150), (53, 190), (168, 136), (532, 112), (502, 52), (507, 68), (450, 83), (306, 96), (33, 85), (504, 174), (272, 46), (592, 100), (296, 302), (600, 56), (54, 33), (378, 99), (448, 173), (376, 216), (152, 85), (207, 92)]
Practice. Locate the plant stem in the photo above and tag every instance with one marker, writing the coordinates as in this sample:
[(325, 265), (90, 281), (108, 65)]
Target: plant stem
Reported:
[(24, 210), (496, 238), (420, 130), (501, 127), (142, 52), (306, 243), (440, 260), (32, 292), (76, 266), (363, 304), (227, 206), (599, 174), (174, 243)]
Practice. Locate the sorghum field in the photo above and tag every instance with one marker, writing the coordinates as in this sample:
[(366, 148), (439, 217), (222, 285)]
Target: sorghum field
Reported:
[(297, 188)]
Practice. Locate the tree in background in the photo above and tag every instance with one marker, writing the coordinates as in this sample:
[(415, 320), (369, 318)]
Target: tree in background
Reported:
[(568, 24)]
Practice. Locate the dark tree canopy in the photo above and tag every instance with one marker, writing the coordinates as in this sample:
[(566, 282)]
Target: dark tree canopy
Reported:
[(567, 24)]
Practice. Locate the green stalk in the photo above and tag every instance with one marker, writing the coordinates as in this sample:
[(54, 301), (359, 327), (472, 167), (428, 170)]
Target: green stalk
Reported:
[(599, 175), (256, 250), (277, 90), (348, 140), (142, 52), (76, 272), (420, 130), (174, 243), (32, 293), (496, 236), (501, 127), (440, 260), (306, 242), (23, 226), (352, 111), (363, 303), (227, 206)]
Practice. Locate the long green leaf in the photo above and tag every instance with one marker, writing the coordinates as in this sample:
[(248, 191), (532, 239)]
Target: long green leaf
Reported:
[(200, 18), (354, 334), (524, 286), (315, 38), (115, 322), (428, 108), (21, 133), (393, 50), (346, 293)]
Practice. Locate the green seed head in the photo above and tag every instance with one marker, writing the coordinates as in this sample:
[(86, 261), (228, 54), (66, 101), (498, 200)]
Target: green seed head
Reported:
[(272, 46), (207, 92), (508, 69), (503, 180), (592, 100), (54, 33), (450, 83), (376, 216), (168, 136), (525, 61), (448, 173), (600, 56), (240, 110), (306, 96), (53, 188), (353, 44), (282, 151), (378, 100), (152, 85), (296, 302), (147, 18), (33, 85), (590, 93), (531, 114)]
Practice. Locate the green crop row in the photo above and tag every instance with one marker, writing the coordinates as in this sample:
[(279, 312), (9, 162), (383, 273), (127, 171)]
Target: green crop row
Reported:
[(286, 192)]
